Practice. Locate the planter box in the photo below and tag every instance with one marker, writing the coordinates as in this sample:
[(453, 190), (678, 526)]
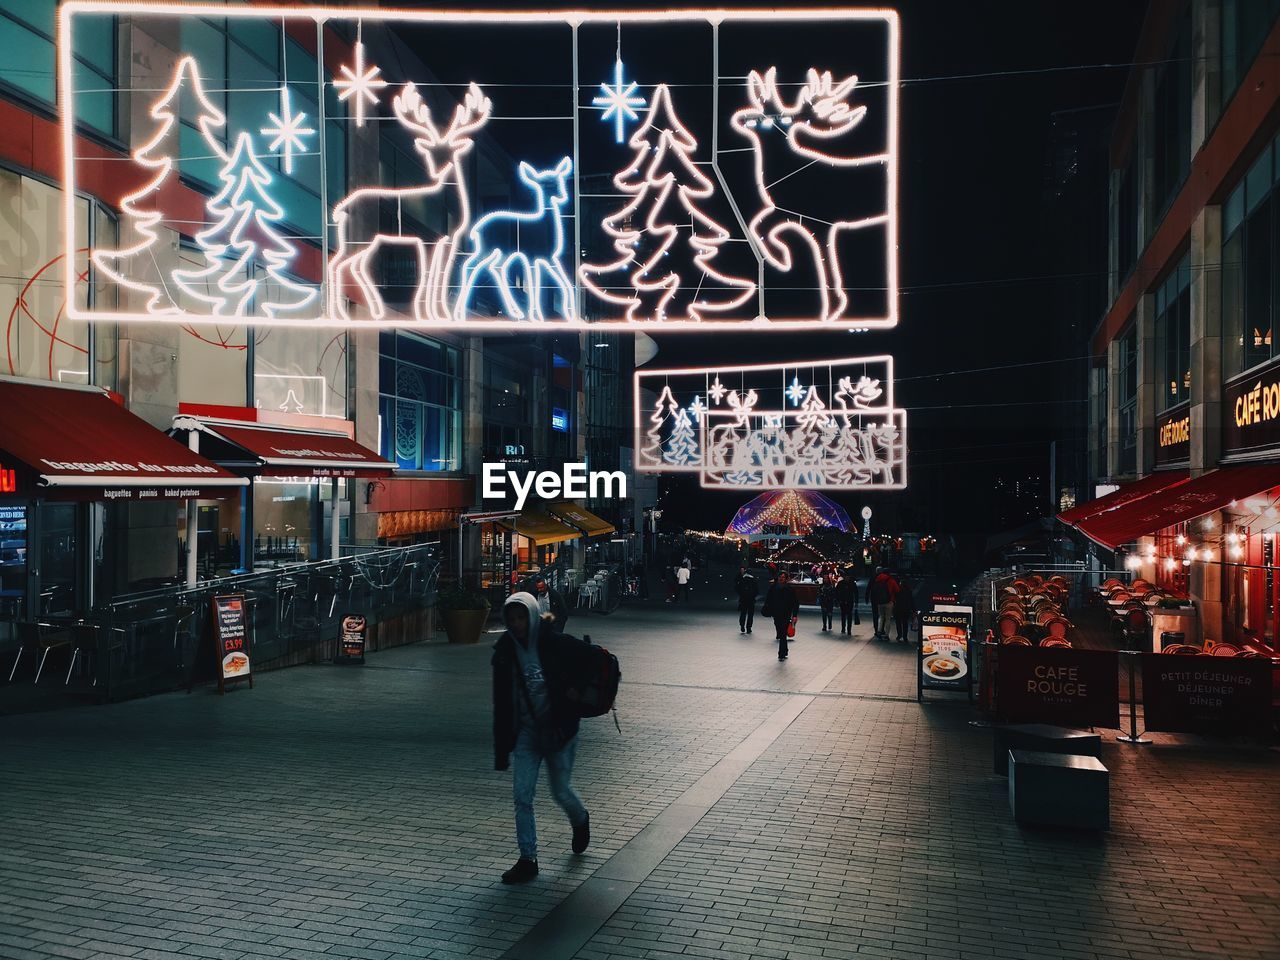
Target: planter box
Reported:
[(464, 626)]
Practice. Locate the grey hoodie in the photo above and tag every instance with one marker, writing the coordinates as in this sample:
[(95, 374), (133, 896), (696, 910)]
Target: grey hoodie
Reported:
[(533, 704)]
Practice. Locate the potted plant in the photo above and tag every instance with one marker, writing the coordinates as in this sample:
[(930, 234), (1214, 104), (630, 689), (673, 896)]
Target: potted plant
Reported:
[(463, 613)]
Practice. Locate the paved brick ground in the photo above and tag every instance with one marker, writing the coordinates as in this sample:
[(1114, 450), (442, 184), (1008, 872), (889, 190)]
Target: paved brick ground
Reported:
[(353, 812)]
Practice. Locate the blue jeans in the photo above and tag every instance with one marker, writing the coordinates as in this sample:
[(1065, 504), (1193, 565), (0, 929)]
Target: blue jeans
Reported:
[(526, 758)]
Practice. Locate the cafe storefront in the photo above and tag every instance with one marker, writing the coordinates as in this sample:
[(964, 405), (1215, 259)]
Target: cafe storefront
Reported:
[(80, 477)]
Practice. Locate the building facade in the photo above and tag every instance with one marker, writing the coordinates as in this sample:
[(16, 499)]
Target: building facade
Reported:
[(1186, 374)]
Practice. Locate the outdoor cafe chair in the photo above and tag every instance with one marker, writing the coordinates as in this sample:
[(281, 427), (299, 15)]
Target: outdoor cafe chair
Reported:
[(1015, 641), (1225, 650), (1057, 627), (1182, 650), (1055, 642)]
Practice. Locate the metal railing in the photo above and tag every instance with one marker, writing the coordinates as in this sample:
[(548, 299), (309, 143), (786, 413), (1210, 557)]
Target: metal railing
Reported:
[(161, 639)]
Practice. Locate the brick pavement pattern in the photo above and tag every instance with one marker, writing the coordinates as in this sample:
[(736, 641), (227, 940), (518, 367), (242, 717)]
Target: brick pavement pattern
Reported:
[(352, 812)]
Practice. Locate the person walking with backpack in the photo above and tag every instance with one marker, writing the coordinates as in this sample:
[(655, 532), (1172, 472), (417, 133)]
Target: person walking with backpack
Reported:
[(747, 590), (847, 597), (781, 604), (904, 608), (534, 720), (881, 593)]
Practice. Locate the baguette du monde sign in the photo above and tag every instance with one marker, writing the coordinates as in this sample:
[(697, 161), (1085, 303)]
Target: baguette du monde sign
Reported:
[(599, 182)]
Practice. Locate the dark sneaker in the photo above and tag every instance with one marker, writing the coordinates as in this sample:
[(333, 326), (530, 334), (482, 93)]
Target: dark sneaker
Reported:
[(582, 836), (524, 871)]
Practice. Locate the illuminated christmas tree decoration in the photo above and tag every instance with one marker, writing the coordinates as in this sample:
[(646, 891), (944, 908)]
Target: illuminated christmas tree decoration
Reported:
[(663, 170), (845, 434), (682, 448), (537, 255), (141, 207), (820, 111), (242, 208), (287, 130), (360, 82), (713, 225), (620, 102), (441, 149)]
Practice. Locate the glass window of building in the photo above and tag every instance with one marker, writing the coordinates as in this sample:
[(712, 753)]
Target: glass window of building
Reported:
[(27, 31), (1173, 336), (1250, 251), (1171, 141), (1102, 433), (1244, 26), (420, 402), (1127, 222), (1127, 401)]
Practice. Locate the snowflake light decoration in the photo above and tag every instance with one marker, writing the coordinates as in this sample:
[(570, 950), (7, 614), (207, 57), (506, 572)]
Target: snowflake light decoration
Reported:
[(717, 390), (360, 82), (795, 392), (697, 408), (619, 101), (287, 130)]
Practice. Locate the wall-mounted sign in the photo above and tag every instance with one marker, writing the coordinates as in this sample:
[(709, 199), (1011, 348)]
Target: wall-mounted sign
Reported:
[(8, 480), (790, 222), (231, 640), (1251, 412), (1173, 436), (943, 652), (1197, 694), (559, 419), (1058, 685)]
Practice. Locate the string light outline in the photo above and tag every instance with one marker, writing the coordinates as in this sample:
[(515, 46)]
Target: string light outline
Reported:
[(620, 102), (360, 82), (287, 132)]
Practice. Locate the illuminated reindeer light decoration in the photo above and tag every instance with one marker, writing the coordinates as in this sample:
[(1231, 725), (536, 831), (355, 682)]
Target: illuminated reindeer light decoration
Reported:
[(782, 132), (442, 151), (531, 241)]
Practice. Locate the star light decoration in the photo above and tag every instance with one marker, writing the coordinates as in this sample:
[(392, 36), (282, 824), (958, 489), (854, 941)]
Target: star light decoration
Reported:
[(717, 390), (795, 392), (620, 102), (697, 408), (361, 82), (287, 130)]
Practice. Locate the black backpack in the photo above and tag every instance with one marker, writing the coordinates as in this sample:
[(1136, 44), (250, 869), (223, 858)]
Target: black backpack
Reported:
[(591, 680)]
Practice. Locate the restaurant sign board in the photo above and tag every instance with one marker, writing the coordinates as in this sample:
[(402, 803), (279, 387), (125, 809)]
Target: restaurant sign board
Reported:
[(1251, 412), (1058, 685), (231, 640), (943, 652), (1200, 694), (1173, 436), (351, 639)]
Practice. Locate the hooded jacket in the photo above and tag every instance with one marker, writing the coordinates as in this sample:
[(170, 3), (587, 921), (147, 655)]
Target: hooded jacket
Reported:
[(555, 651)]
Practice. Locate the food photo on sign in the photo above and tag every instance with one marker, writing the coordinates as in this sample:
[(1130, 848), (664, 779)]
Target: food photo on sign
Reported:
[(944, 651)]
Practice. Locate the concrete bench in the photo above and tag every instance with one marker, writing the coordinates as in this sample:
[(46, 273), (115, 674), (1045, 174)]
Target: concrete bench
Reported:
[(1059, 790), (1042, 737)]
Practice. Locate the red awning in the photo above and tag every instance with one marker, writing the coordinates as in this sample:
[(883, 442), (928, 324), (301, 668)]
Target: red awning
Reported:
[(1178, 504), (286, 452), (76, 442), (1128, 493)]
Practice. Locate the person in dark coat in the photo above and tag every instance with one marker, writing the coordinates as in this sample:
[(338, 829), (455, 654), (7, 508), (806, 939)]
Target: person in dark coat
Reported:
[(781, 604), (747, 590), (551, 600), (880, 592), (904, 608), (847, 597), (534, 721), (827, 599)]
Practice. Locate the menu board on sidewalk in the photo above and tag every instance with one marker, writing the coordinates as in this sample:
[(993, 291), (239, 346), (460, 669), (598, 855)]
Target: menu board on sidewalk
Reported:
[(231, 640), (351, 639), (943, 660), (1058, 685), (1199, 694)]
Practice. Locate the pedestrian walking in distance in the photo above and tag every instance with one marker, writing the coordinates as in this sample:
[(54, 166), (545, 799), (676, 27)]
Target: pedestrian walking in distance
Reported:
[(827, 599), (847, 597), (881, 593), (533, 721), (551, 600), (904, 608), (682, 581), (672, 585), (781, 604), (747, 590)]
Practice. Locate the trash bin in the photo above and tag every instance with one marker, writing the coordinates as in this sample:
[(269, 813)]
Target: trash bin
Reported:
[(1170, 637)]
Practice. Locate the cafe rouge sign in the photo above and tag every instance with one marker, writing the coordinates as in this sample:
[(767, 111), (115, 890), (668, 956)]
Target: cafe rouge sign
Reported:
[(1173, 436), (1251, 412)]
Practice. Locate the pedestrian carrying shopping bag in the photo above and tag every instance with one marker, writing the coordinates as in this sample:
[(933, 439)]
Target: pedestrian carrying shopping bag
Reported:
[(791, 627)]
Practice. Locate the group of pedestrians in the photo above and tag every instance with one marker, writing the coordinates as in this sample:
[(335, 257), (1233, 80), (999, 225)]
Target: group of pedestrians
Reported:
[(891, 601), (782, 606)]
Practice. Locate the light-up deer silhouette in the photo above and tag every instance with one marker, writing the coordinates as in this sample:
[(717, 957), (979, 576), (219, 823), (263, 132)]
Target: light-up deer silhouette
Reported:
[(357, 216), (532, 240), (782, 131)]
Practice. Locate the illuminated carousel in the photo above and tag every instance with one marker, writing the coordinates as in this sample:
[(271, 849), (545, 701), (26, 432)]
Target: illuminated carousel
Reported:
[(788, 513)]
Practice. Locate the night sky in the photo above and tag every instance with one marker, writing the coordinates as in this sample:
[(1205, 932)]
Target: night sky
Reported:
[(981, 261)]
